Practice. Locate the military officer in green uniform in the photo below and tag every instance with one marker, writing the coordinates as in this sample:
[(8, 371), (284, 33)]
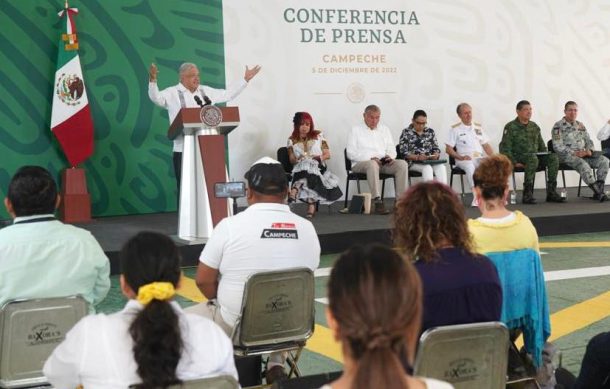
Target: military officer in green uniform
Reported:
[(575, 148), (520, 143)]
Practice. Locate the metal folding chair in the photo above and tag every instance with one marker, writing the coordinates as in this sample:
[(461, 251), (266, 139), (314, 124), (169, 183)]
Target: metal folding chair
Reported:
[(277, 315), (29, 332), (353, 176), (465, 355), (220, 382)]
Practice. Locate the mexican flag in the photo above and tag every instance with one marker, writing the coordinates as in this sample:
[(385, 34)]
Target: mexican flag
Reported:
[(71, 118)]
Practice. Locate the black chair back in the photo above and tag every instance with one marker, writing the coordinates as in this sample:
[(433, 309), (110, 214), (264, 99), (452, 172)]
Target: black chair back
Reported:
[(282, 157), (348, 162), (399, 153), (451, 159)]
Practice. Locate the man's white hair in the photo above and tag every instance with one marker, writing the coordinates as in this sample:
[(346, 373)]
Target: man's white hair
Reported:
[(185, 67)]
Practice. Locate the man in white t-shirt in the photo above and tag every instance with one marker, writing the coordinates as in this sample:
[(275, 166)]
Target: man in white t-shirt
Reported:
[(467, 143), (266, 236), (372, 150)]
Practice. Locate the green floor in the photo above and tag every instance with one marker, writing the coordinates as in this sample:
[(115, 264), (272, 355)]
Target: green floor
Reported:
[(561, 294)]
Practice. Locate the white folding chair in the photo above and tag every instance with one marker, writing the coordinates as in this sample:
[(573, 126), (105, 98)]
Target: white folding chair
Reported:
[(277, 315), (469, 356), (30, 330)]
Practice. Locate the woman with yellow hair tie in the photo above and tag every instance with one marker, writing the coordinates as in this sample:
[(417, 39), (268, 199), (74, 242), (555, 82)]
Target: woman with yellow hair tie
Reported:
[(152, 342)]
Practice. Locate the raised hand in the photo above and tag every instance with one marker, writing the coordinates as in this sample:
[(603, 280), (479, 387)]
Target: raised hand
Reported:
[(152, 73), (250, 73)]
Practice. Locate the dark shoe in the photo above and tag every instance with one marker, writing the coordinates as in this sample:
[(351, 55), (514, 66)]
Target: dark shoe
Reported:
[(601, 185), (275, 374), (551, 193), (554, 197), (528, 194), (597, 193), (528, 199), (380, 209)]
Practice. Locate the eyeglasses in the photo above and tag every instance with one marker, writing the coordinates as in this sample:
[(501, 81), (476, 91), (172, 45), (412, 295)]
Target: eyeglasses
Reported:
[(421, 123)]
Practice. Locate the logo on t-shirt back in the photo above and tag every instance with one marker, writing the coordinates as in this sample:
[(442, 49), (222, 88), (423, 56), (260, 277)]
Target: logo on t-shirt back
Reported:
[(280, 230)]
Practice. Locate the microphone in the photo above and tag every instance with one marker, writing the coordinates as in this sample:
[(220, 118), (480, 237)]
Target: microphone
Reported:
[(207, 100), (198, 101)]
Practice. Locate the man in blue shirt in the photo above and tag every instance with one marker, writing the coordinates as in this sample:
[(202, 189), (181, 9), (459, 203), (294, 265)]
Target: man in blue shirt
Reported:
[(39, 255)]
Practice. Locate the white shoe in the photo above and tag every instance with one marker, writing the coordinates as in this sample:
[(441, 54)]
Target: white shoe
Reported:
[(475, 203)]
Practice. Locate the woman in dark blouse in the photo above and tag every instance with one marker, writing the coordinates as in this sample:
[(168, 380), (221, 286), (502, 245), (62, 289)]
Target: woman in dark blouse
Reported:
[(419, 147), (460, 286)]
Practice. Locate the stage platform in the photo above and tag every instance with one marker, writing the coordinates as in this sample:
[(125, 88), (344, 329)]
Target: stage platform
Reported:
[(339, 231)]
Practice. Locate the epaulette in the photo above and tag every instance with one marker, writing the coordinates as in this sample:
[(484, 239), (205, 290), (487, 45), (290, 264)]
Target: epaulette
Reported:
[(478, 125), (456, 125)]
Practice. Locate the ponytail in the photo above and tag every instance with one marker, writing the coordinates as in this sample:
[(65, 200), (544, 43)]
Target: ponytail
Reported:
[(150, 264), (375, 297), (380, 368), (157, 345)]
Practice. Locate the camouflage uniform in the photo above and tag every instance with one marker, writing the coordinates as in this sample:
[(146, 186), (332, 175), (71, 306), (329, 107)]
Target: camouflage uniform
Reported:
[(520, 143), (568, 138)]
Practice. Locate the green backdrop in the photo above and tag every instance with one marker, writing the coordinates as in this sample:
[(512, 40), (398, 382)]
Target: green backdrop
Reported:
[(131, 169)]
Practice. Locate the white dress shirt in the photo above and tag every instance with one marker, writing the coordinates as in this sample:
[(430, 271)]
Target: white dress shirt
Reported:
[(468, 139), (169, 98), (604, 132), (97, 352), (365, 143)]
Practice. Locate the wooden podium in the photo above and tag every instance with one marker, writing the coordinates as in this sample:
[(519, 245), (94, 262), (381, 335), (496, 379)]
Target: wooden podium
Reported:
[(203, 165)]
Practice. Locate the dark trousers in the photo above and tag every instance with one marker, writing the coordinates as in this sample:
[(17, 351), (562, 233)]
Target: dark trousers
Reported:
[(178, 169), (595, 369)]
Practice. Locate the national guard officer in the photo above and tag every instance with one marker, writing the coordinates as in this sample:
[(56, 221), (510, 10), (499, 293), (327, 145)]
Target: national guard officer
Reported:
[(520, 143), (575, 148)]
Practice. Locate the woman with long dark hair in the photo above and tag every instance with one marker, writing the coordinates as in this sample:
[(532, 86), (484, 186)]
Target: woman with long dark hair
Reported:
[(375, 302), (308, 152), (460, 286), (151, 343)]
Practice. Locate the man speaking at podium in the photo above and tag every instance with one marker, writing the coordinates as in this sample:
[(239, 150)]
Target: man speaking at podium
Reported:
[(188, 93)]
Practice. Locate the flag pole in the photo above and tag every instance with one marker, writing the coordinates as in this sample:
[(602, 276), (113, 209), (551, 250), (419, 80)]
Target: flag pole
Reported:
[(71, 122)]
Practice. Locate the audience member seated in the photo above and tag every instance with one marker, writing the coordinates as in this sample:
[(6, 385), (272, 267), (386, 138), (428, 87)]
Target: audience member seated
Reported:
[(498, 229), (308, 151), (419, 147), (374, 310), (511, 241), (39, 255), (152, 342), (595, 368), (371, 149), (460, 286), (468, 144), (266, 236)]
